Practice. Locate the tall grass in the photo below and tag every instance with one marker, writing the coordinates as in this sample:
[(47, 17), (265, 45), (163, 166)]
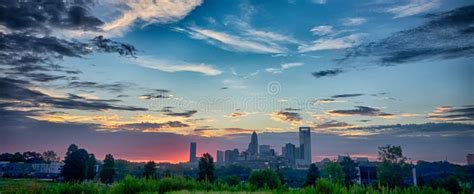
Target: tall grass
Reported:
[(131, 185)]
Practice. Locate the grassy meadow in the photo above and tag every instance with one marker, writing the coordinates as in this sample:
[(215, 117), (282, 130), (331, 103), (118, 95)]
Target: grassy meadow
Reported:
[(181, 185)]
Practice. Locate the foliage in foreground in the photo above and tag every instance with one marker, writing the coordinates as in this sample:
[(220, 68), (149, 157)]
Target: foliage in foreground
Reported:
[(183, 185)]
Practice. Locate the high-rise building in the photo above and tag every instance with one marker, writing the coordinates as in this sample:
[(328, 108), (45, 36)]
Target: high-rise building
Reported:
[(253, 145), (192, 152), (231, 156), (290, 152), (265, 150), (220, 157), (305, 144), (470, 159)]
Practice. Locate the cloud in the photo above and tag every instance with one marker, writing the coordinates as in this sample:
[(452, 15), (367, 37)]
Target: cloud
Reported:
[(244, 76), (151, 127), (325, 73), (292, 109), (321, 30), (21, 96), (414, 130), (347, 95), (293, 118), (283, 67), (343, 42), (353, 21), (238, 115), (446, 35), (186, 114), (319, 1), (157, 93), (453, 114), (331, 124), (112, 87), (360, 110), (170, 66), (326, 100), (414, 7), (150, 12), (233, 42), (41, 16)]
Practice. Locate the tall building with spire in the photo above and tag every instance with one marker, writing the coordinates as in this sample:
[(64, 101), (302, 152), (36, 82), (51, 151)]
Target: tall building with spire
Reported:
[(253, 145), (305, 144)]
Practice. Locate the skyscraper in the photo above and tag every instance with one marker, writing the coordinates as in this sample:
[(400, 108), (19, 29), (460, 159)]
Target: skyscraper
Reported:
[(192, 152), (220, 157), (290, 152), (305, 144), (253, 145)]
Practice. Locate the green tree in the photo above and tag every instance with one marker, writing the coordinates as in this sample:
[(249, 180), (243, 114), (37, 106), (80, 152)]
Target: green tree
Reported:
[(206, 168), (108, 169), (76, 166), (312, 175), (349, 167), (150, 168), (50, 156), (333, 172), (393, 169), (91, 167), (17, 157), (264, 179), (232, 180)]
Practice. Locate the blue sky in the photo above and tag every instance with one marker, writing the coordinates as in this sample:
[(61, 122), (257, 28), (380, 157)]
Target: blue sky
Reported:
[(219, 69)]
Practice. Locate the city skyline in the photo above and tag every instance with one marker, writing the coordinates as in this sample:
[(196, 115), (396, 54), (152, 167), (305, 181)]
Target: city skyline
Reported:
[(142, 79)]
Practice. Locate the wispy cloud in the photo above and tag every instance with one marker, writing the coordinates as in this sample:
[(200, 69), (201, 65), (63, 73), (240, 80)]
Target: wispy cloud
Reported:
[(292, 118), (413, 7), (176, 66), (283, 67), (453, 114), (325, 73), (321, 30), (319, 1), (446, 35), (233, 42), (332, 43), (159, 11), (353, 21)]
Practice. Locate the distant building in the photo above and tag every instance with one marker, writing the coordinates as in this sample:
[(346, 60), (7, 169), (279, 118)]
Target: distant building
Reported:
[(341, 158), (265, 150), (305, 145), (253, 145), (290, 152), (192, 152), (470, 159), (231, 156), (362, 160), (52, 170), (220, 157)]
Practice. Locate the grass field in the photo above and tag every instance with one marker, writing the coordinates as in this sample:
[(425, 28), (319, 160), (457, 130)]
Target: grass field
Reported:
[(177, 185)]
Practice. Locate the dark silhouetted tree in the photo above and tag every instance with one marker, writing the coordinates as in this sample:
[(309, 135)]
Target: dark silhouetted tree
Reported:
[(150, 168), (33, 157), (312, 176), (108, 169), (349, 167), (206, 168), (91, 167), (18, 157), (393, 169), (50, 156), (71, 148), (6, 157), (79, 165), (264, 179)]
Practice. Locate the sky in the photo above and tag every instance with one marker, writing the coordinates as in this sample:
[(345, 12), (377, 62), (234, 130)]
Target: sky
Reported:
[(142, 79)]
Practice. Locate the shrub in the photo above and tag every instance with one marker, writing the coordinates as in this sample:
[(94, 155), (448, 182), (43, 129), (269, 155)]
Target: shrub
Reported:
[(264, 179)]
